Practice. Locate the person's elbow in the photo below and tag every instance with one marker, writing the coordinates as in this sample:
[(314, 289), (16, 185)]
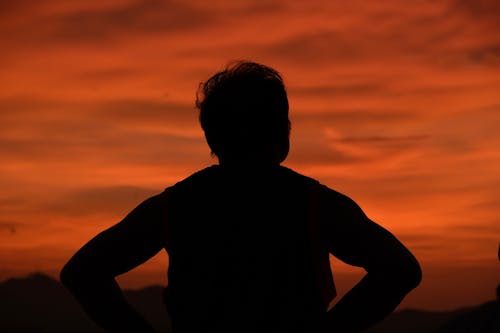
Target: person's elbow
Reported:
[(399, 273), (407, 273), (75, 275), (413, 276), (68, 275)]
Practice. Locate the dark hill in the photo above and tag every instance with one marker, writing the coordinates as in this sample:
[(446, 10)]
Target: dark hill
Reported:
[(482, 319), (38, 303)]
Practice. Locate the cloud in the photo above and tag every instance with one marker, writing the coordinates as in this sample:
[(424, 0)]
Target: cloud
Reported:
[(337, 88), (485, 12), (36, 129), (382, 140), (491, 204), (14, 107), (78, 203), (109, 74), (444, 35), (104, 200), (472, 39), (55, 22), (490, 229), (107, 24), (150, 112), (311, 148), (312, 49), (488, 55), (35, 110), (139, 18), (9, 227), (353, 121), (421, 243), (353, 137)]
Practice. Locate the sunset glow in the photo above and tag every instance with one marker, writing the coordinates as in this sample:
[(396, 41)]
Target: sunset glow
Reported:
[(396, 104)]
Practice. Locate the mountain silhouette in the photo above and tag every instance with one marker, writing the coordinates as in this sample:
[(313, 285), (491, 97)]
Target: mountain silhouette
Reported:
[(39, 303), (482, 319)]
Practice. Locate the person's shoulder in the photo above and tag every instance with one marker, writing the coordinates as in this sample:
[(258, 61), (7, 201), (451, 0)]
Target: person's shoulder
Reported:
[(318, 187), (202, 176), (331, 193), (332, 200), (324, 194), (292, 174)]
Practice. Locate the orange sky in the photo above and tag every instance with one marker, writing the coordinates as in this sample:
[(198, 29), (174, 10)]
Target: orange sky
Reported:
[(395, 104)]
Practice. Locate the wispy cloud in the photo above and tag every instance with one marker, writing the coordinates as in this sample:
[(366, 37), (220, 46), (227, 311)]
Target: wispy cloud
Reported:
[(9, 227)]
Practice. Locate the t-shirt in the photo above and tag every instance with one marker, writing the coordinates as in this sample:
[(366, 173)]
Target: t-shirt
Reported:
[(246, 252)]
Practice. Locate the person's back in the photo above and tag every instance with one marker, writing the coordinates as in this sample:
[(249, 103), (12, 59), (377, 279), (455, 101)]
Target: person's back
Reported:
[(243, 255), (248, 239)]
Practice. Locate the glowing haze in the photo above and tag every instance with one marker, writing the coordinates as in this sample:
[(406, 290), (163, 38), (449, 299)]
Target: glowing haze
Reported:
[(396, 104)]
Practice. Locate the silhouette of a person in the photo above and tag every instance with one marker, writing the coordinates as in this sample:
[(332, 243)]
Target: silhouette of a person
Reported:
[(248, 239)]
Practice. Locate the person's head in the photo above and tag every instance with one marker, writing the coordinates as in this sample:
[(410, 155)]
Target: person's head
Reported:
[(244, 114)]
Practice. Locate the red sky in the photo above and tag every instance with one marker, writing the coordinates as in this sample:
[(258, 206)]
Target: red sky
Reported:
[(396, 104)]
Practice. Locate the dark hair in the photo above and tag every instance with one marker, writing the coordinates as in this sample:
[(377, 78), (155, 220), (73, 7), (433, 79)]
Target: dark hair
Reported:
[(244, 113)]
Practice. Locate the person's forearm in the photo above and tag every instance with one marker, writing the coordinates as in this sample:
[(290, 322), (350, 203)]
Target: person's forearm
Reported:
[(368, 303), (104, 303)]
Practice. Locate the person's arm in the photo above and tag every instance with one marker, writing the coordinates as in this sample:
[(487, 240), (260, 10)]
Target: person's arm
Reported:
[(392, 271), (90, 274)]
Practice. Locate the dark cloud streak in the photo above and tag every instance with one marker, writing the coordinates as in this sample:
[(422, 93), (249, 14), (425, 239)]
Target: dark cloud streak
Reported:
[(10, 227), (99, 200), (338, 117), (105, 25), (337, 88), (147, 111)]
